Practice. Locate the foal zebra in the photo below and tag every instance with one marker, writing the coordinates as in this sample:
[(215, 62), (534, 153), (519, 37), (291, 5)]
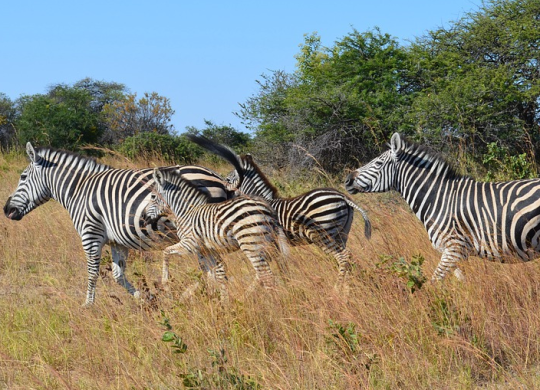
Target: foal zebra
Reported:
[(322, 217), (106, 205), (497, 221), (243, 223)]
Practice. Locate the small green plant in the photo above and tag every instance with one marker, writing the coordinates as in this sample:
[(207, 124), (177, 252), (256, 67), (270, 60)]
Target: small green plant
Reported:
[(222, 378), (178, 346), (411, 272), (344, 336), (444, 316)]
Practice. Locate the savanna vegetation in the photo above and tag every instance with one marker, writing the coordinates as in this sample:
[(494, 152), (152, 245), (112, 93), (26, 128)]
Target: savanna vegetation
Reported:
[(470, 90), (395, 330)]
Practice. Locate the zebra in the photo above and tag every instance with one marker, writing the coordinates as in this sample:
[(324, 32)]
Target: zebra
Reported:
[(496, 221), (322, 216), (243, 222), (106, 205)]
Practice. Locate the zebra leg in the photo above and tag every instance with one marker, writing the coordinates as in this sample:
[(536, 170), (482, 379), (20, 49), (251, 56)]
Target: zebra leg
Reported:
[(221, 279), (165, 269), (207, 264), (177, 249), (262, 269), (119, 256), (283, 246), (343, 258), (93, 259), (453, 253)]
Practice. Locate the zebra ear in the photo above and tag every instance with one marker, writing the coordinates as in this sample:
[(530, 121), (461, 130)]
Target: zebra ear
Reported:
[(31, 152), (395, 142), (158, 177)]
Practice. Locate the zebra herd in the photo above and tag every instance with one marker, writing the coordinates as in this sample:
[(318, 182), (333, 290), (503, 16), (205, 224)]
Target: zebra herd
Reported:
[(191, 209)]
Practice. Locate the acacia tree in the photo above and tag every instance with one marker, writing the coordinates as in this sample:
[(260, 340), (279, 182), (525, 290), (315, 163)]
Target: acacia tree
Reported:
[(128, 117)]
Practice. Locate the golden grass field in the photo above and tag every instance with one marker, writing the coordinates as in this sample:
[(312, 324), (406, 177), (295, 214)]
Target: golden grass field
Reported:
[(479, 334)]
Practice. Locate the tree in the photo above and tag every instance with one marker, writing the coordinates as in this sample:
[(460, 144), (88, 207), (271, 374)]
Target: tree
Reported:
[(129, 116), (477, 82), (340, 103), (62, 119), (8, 114)]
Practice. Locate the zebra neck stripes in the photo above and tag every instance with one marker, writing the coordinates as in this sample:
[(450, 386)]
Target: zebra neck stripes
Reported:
[(106, 206), (497, 221)]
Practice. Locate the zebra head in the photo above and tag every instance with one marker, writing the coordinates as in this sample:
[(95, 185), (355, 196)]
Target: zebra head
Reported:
[(157, 207), (232, 180), (172, 193), (379, 174), (31, 191)]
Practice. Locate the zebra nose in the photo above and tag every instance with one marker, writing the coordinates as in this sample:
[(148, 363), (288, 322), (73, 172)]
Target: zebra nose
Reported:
[(349, 183), (6, 206), (349, 180)]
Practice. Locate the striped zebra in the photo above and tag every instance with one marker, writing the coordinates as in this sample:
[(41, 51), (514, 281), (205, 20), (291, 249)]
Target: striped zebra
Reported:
[(322, 217), (106, 205), (244, 223), (496, 221)]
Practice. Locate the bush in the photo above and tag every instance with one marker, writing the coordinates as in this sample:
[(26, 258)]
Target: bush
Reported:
[(170, 148)]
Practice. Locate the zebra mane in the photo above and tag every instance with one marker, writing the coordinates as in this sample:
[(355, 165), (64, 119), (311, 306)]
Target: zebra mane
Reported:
[(56, 156), (252, 170), (410, 149)]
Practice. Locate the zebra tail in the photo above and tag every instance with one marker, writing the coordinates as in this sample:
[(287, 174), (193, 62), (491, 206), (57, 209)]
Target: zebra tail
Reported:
[(220, 150), (367, 222)]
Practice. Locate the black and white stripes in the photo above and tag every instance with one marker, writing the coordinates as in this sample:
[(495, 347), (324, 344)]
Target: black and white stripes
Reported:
[(322, 217), (497, 221), (106, 205), (204, 228)]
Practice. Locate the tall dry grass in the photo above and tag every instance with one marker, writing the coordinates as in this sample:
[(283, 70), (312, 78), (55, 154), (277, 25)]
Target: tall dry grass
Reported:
[(482, 333)]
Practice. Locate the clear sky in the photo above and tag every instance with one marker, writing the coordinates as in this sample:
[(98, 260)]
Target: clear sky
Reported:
[(205, 56)]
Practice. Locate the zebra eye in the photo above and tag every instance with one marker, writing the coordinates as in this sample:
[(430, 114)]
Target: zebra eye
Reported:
[(23, 177)]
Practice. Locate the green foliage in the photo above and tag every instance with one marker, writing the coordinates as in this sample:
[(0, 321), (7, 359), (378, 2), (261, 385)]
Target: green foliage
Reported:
[(7, 118), (174, 149), (477, 81), (410, 272), (502, 165), (66, 116), (444, 316), (177, 345), (129, 116), (465, 86), (62, 121), (345, 337), (498, 159), (340, 102)]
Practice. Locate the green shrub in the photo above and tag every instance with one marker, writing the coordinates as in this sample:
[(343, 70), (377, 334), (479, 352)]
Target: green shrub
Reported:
[(174, 149)]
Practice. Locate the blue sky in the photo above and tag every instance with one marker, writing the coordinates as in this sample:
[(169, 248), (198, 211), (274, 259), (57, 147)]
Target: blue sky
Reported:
[(205, 56)]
